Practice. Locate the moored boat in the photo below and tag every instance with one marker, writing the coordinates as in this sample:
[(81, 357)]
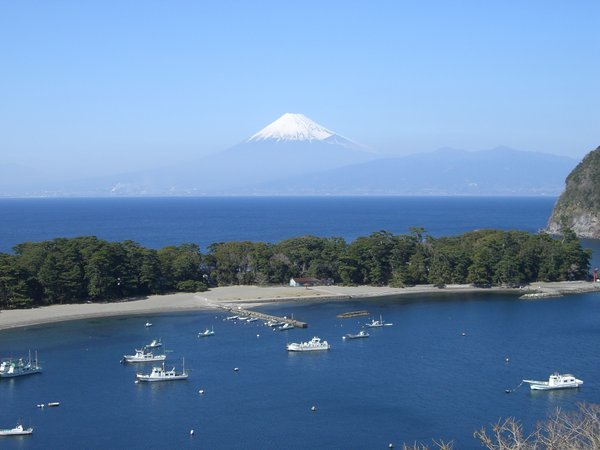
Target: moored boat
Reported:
[(286, 326), (160, 374), (15, 368), (155, 343), (378, 323), (143, 355), (555, 381), (315, 344), (148, 324), (359, 335), (206, 333), (16, 431)]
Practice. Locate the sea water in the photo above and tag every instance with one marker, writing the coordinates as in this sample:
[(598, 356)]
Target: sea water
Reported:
[(440, 372)]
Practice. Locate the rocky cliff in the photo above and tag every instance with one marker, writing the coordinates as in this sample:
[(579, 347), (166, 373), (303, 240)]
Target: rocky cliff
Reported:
[(578, 207)]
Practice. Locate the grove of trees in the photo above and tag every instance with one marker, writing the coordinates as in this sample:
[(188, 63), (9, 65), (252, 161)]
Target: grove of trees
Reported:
[(90, 269)]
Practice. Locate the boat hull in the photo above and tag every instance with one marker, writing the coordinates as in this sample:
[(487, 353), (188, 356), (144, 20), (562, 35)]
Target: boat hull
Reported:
[(147, 379), (20, 374)]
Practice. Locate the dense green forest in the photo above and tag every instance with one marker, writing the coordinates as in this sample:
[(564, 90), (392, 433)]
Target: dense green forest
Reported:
[(89, 269)]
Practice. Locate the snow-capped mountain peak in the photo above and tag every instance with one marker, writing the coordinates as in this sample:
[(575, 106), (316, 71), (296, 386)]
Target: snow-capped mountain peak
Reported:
[(293, 127)]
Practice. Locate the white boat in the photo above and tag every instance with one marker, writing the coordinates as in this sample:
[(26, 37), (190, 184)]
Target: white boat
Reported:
[(314, 344), (160, 374), (555, 381), (274, 323), (148, 324), (206, 333), (359, 335), (252, 319), (16, 368), (232, 318), (378, 323), (143, 355), (154, 344), (286, 326), (16, 431)]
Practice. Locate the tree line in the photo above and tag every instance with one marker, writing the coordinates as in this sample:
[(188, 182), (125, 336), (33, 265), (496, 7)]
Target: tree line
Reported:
[(90, 269)]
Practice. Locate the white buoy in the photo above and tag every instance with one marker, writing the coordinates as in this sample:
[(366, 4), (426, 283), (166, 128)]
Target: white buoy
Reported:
[(390, 445), (258, 335), (41, 405), (191, 432), (313, 408), (201, 391), (236, 369), (507, 360), (136, 381)]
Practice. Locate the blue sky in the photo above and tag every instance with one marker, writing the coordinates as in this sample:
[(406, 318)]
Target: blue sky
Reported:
[(98, 87)]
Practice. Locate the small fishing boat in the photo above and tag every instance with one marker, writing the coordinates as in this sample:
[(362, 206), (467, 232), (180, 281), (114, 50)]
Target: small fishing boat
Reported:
[(315, 344), (207, 333), (378, 323), (160, 374), (252, 319), (154, 344), (232, 317), (51, 404), (555, 381), (286, 326), (274, 323), (143, 355), (16, 431), (148, 324), (15, 368), (359, 335)]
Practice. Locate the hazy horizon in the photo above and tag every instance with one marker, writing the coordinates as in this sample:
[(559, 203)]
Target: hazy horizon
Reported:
[(92, 89)]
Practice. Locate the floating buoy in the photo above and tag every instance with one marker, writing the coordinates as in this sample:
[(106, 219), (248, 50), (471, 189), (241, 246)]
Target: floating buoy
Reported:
[(507, 360), (201, 391), (463, 334), (236, 369), (191, 432), (41, 405), (508, 391), (313, 408), (136, 381), (258, 335), (390, 445)]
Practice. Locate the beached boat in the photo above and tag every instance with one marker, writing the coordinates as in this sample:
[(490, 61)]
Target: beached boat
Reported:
[(378, 323), (315, 344), (16, 431), (16, 368), (555, 381), (359, 335), (206, 333), (160, 374), (154, 344), (286, 326), (143, 355)]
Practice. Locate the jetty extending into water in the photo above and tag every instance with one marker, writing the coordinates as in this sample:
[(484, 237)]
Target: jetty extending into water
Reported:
[(265, 317)]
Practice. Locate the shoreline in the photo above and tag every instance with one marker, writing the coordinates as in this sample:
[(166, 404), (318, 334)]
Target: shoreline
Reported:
[(231, 297)]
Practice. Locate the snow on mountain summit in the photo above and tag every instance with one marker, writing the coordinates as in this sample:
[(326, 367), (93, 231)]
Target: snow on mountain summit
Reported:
[(293, 127)]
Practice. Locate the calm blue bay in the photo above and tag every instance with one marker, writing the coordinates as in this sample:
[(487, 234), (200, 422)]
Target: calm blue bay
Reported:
[(417, 380)]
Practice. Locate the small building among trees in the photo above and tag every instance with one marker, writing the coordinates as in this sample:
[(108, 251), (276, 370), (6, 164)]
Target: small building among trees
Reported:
[(305, 282)]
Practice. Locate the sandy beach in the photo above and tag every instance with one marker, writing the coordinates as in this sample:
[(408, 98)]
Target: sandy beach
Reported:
[(253, 296)]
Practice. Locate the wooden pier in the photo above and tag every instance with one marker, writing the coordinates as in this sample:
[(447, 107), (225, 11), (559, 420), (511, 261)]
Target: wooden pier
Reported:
[(265, 317)]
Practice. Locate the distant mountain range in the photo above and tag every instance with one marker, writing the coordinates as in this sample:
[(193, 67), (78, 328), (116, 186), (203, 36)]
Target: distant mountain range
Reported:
[(296, 156)]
